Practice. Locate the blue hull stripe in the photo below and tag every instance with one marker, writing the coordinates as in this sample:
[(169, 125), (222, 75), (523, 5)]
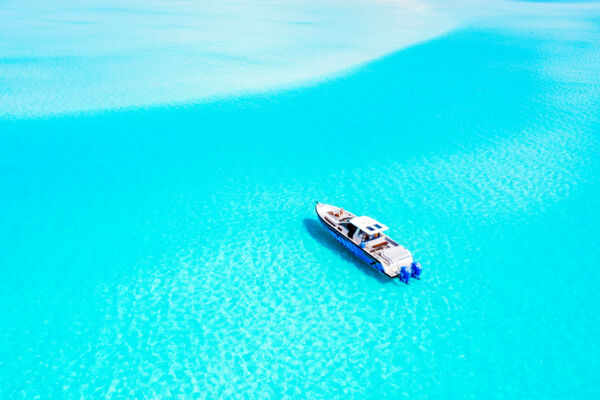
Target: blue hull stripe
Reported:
[(354, 248)]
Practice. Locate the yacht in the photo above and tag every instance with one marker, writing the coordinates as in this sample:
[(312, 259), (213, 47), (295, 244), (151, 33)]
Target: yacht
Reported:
[(365, 237)]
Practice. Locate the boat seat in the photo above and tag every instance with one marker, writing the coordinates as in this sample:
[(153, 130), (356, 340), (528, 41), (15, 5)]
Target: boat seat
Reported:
[(378, 245)]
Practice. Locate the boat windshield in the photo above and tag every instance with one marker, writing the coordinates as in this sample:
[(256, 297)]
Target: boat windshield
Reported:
[(351, 230)]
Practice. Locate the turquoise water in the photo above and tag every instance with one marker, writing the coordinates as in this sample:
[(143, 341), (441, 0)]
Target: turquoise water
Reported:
[(174, 251)]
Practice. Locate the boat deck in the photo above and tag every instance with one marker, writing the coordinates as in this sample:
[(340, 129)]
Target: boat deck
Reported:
[(381, 248)]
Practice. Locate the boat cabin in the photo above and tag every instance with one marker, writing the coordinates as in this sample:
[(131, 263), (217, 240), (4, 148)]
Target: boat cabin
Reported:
[(365, 229)]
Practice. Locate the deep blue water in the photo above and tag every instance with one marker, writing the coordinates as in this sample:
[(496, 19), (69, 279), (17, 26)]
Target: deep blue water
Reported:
[(175, 252)]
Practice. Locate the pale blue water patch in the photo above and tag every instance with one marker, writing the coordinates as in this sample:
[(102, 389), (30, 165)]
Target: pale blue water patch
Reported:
[(57, 57), (175, 251)]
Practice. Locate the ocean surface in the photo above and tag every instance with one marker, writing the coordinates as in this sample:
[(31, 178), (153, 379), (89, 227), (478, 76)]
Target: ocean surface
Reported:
[(172, 251)]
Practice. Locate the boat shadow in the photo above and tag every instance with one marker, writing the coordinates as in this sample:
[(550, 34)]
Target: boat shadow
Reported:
[(318, 232)]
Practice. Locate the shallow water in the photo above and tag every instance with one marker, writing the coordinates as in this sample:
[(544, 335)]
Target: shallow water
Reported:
[(60, 57), (175, 251)]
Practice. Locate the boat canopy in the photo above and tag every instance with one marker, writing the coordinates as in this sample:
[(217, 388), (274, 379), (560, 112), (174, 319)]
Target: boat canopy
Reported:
[(368, 225)]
